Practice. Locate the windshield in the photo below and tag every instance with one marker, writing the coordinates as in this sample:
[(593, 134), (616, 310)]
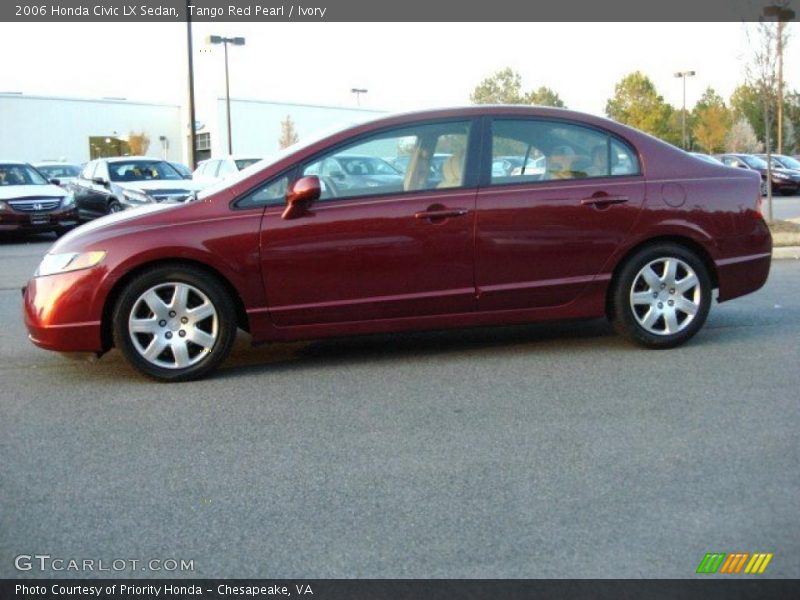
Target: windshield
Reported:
[(141, 170), (54, 171), (20, 175), (243, 163), (754, 162), (267, 161), (789, 162)]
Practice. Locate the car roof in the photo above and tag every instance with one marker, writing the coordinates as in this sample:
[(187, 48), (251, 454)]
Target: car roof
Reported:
[(13, 162)]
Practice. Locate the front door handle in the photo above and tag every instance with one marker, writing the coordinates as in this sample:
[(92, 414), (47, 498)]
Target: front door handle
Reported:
[(603, 200), (440, 214)]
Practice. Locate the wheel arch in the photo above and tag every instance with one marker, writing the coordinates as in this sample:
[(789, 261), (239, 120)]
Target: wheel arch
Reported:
[(685, 241), (111, 299)]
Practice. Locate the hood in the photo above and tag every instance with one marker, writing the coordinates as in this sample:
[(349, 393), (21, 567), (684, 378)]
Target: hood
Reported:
[(19, 192), (113, 220)]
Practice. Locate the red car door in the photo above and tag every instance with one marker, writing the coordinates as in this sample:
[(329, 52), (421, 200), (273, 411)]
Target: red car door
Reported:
[(380, 243), (545, 232)]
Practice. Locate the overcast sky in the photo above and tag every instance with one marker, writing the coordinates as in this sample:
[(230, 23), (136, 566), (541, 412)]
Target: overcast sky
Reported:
[(404, 65)]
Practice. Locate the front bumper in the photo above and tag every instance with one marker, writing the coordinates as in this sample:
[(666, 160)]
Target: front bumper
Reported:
[(58, 314), (13, 220)]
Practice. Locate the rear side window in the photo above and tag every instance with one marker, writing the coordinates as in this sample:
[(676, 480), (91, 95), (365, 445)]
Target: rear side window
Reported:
[(540, 150)]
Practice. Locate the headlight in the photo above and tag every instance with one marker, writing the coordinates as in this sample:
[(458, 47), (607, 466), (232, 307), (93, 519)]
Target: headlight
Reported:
[(3, 206), (68, 261), (781, 176), (68, 201), (137, 197)]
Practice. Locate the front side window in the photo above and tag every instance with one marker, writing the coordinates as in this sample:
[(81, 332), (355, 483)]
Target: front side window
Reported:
[(532, 150), (414, 158)]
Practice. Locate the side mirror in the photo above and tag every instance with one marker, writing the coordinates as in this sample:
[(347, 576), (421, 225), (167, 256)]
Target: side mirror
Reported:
[(99, 181), (55, 181), (301, 195)]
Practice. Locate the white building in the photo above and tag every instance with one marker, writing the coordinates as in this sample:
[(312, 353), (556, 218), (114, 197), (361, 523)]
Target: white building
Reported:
[(39, 128), (36, 128)]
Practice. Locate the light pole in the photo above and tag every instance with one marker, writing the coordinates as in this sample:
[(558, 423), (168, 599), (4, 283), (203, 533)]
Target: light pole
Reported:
[(358, 92), (236, 41), (683, 75), (782, 14), (190, 84)]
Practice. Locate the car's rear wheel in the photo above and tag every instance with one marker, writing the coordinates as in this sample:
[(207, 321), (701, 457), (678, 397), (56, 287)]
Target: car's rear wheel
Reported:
[(661, 296), (174, 323)]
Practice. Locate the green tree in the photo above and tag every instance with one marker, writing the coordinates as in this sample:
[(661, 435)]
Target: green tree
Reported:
[(544, 96), (637, 103), (505, 87), (711, 121), (746, 103)]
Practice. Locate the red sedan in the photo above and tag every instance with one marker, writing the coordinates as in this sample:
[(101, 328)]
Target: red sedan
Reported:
[(601, 220)]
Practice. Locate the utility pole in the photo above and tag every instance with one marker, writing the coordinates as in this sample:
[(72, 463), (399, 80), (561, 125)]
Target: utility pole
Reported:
[(683, 75), (189, 51)]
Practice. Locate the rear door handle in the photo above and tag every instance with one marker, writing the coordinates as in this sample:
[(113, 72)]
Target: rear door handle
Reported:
[(441, 214), (604, 200)]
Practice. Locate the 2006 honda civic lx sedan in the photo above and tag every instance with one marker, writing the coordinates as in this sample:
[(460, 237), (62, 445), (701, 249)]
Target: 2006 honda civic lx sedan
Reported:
[(604, 220)]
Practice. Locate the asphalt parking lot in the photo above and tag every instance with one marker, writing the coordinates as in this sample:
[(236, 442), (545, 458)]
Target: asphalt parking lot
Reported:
[(529, 451)]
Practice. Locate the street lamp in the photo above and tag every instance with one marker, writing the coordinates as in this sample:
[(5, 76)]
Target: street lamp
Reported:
[(236, 41), (358, 92), (781, 14), (683, 75)]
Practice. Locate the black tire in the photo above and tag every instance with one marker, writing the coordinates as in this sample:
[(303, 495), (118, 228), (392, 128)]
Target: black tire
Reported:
[(208, 359), (114, 206), (621, 310)]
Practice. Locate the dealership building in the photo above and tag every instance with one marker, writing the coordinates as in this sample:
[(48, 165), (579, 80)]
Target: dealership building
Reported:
[(75, 130)]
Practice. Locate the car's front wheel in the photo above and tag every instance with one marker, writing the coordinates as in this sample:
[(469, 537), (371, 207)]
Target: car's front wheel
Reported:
[(174, 323), (114, 207), (661, 296)]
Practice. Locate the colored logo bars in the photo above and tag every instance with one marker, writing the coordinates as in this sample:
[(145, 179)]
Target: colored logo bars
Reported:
[(731, 564)]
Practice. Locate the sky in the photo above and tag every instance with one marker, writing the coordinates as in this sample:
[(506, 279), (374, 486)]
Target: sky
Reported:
[(404, 66)]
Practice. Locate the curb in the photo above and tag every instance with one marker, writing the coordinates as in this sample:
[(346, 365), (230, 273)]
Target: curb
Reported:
[(786, 253)]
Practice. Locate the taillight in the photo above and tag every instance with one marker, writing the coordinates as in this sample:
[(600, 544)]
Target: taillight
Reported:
[(759, 203)]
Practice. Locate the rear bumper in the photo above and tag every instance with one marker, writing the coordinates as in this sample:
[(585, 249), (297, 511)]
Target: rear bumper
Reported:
[(748, 269), (57, 314)]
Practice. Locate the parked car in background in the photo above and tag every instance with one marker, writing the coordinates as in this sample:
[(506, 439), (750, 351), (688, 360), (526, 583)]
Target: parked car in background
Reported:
[(781, 161), (185, 171), (353, 171), (707, 157), (109, 185), (214, 170), (644, 240), (65, 173), (29, 202), (784, 181)]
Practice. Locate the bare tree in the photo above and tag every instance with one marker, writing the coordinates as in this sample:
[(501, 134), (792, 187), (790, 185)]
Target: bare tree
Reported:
[(742, 138), (288, 133), (138, 143), (762, 74)]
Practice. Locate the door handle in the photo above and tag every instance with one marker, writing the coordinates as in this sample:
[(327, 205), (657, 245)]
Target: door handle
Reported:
[(441, 213), (603, 200)]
